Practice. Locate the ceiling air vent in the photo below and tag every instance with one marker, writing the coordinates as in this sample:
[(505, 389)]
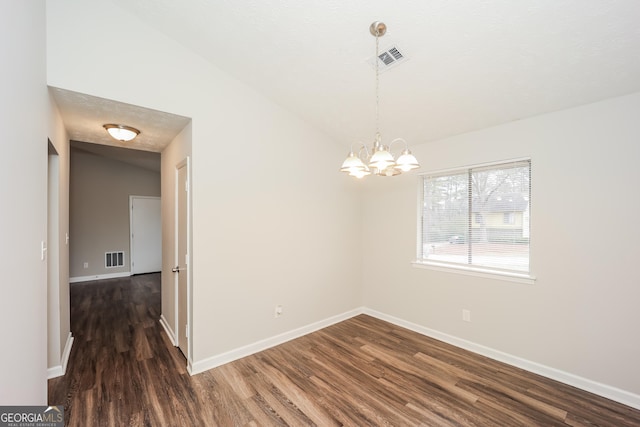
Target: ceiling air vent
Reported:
[(389, 58)]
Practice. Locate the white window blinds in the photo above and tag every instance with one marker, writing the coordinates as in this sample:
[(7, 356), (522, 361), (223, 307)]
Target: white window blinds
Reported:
[(478, 216)]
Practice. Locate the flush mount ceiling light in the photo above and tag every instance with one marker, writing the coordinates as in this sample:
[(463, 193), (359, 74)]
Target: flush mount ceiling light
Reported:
[(121, 132), (378, 160)]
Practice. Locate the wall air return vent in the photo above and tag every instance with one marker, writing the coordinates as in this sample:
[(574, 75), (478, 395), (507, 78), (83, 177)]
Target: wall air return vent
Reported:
[(114, 259), (389, 58)]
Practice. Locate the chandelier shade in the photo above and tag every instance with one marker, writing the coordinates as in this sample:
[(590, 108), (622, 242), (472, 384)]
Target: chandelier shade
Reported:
[(382, 159), (407, 161), (352, 163), (379, 160)]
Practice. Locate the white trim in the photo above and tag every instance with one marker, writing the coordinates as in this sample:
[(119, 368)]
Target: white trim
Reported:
[(99, 277), (66, 353), (604, 390), (476, 271), (176, 278), (167, 329), (186, 162), (247, 350), (54, 372), (60, 370), (189, 264)]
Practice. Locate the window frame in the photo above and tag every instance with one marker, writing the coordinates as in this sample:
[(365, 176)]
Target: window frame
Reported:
[(469, 269)]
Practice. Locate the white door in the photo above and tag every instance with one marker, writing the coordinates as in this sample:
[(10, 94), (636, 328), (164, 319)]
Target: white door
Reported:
[(182, 255), (146, 234)]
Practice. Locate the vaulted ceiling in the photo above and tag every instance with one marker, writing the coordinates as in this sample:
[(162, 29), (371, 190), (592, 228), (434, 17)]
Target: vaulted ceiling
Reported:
[(471, 63)]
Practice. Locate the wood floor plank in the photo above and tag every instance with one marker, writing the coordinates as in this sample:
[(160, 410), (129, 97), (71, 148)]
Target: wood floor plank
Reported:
[(124, 371)]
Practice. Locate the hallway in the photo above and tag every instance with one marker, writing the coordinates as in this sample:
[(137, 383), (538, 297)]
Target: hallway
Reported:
[(122, 365)]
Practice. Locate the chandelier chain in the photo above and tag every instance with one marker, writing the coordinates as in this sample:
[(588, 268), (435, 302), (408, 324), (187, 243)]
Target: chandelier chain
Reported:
[(380, 160), (377, 60)]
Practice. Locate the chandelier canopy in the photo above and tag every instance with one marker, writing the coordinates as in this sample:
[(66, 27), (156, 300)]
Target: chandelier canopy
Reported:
[(378, 160)]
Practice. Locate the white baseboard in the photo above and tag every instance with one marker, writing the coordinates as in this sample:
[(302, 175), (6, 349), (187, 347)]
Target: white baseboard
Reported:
[(221, 359), (168, 330), (609, 392), (60, 370), (613, 393), (99, 277)]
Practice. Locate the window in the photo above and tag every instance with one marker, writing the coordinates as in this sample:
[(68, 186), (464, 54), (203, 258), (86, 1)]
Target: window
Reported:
[(477, 218), (509, 218)]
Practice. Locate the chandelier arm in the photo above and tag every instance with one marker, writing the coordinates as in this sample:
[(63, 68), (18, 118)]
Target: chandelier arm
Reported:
[(361, 146), (352, 144), (406, 144), (366, 151)]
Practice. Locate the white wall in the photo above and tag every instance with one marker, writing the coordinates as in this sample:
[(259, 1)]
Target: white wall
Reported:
[(265, 232), (581, 314), (58, 288), (23, 190)]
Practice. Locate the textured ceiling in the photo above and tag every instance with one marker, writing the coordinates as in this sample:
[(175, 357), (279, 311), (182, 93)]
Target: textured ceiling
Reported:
[(84, 116), (472, 64)]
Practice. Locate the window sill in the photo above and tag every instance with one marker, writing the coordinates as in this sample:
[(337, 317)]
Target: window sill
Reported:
[(476, 271)]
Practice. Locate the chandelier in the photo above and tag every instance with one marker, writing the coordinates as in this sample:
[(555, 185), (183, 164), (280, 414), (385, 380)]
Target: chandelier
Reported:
[(378, 160)]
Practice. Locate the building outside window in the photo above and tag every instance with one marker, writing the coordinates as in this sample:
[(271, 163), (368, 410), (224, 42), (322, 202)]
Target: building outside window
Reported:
[(509, 218)]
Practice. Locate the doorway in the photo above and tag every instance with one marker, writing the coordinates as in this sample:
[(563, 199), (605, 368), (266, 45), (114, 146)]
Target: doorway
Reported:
[(164, 141), (53, 260), (146, 234)]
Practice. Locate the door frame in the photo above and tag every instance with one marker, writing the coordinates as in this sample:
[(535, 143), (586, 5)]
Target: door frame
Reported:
[(51, 254), (184, 163)]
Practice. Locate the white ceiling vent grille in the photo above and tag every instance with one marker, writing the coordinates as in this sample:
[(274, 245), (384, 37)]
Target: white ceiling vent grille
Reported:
[(389, 58)]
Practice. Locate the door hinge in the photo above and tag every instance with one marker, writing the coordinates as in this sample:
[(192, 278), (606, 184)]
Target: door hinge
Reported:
[(186, 331)]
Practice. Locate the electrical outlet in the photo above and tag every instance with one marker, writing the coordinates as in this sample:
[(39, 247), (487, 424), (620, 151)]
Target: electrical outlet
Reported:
[(86, 265), (466, 315), (278, 311)]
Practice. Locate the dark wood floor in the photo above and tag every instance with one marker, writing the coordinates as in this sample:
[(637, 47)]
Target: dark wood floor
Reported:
[(124, 371)]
